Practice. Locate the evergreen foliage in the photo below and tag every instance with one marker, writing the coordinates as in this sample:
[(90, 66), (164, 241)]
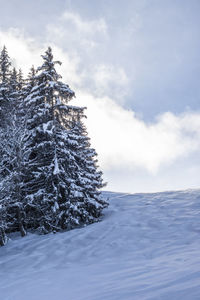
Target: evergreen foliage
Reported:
[(49, 179), (4, 86)]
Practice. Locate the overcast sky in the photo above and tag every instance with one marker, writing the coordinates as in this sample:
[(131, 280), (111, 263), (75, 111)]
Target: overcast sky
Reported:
[(135, 65)]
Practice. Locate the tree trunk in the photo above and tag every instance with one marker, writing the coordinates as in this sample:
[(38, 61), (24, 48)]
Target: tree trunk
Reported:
[(21, 226), (3, 237)]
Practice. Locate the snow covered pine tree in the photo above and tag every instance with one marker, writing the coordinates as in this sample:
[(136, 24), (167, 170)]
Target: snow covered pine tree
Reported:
[(10, 148), (62, 182), (4, 148), (15, 211)]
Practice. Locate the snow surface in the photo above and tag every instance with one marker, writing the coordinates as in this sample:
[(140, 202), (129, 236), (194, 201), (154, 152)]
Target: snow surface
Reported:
[(146, 247)]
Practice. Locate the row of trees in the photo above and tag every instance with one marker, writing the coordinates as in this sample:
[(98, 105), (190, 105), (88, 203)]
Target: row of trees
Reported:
[(49, 180)]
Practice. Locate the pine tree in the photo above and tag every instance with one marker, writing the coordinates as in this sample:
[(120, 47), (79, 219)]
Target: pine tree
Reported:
[(42, 186), (4, 150), (85, 199), (5, 111), (21, 153), (4, 86), (59, 193), (85, 203), (11, 133), (14, 158), (49, 179), (16, 214)]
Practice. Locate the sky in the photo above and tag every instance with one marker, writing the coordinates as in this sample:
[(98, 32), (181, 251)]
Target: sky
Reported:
[(135, 64)]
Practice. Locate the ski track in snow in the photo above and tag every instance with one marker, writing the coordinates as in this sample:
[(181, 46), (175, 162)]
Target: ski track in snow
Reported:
[(146, 247)]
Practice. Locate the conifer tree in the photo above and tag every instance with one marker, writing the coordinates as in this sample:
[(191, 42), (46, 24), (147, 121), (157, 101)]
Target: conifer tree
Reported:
[(42, 186), (56, 192), (13, 159), (5, 111), (86, 180), (49, 179), (4, 150), (16, 214), (5, 64), (11, 133)]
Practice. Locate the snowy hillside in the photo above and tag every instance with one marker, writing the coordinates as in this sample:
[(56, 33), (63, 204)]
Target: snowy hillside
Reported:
[(146, 247)]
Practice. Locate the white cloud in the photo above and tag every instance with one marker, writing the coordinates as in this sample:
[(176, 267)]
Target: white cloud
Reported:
[(124, 141), (121, 139), (73, 32), (85, 26), (110, 80), (25, 52), (86, 39)]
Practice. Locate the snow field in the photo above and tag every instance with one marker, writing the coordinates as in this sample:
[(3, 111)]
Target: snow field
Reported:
[(146, 247)]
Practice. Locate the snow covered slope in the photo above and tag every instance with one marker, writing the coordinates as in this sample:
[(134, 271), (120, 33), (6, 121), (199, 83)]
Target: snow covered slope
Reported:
[(146, 247)]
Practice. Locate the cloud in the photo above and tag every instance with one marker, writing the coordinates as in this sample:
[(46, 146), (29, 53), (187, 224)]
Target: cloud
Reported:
[(77, 34), (122, 140), (89, 27), (24, 51), (108, 78), (86, 39)]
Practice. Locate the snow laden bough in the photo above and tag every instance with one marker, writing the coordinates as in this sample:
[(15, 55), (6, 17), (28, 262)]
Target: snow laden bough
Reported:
[(49, 178)]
